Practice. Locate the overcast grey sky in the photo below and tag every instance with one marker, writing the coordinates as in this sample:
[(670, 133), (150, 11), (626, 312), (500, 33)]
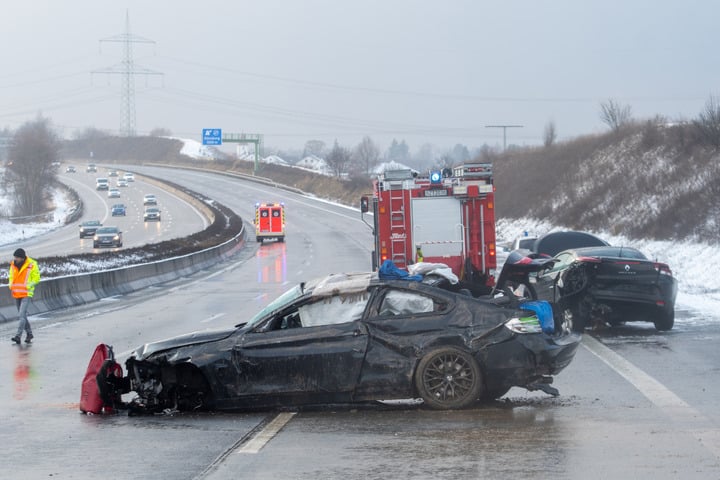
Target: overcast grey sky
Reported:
[(419, 70)]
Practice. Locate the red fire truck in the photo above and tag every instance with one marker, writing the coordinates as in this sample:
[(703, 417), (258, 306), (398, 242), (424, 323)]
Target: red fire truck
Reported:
[(269, 221), (445, 217)]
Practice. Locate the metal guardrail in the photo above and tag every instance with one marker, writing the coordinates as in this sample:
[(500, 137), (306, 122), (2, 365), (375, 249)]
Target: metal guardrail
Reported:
[(63, 292)]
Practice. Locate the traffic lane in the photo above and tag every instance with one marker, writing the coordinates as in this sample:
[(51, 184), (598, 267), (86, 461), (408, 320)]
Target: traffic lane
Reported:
[(229, 295), (604, 428), (684, 359), (179, 218), (316, 231), (40, 403)]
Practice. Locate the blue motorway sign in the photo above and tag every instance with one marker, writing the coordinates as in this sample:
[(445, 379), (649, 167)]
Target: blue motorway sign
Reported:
[(212, 136)]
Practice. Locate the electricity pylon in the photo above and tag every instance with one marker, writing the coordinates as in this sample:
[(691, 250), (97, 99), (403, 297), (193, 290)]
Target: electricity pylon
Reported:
[(127, 69)]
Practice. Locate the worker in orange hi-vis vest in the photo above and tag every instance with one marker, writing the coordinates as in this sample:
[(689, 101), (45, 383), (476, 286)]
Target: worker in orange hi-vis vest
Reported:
[(24, 275)]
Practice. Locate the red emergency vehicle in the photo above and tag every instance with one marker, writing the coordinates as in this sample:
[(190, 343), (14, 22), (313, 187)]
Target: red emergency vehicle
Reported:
[(269, 221), (445, 217)]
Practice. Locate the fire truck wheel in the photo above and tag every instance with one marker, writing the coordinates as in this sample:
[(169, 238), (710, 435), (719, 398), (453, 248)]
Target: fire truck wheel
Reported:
[(448, 378), (258, 239), (281, 239)]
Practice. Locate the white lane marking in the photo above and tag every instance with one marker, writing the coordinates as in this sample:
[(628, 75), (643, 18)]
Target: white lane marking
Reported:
[(659, 395), (213, 317), (261, 438)]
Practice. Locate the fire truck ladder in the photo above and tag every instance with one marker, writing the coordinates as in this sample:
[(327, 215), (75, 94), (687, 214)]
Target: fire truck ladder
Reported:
[(398, 224)]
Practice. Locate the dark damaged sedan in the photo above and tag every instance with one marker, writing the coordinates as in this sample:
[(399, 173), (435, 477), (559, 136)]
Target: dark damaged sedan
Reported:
[(353, 337)]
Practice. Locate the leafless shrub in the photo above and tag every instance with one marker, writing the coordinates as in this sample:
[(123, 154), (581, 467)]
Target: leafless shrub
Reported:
[(708, 122), (615, 115), (651, 134), (549, 134)]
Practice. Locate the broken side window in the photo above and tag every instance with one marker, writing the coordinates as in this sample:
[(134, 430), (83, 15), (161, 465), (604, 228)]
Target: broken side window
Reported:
[(398, 302), (334, 310)]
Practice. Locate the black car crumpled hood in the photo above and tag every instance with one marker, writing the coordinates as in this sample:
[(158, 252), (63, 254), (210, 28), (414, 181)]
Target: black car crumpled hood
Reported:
[(193, 338)]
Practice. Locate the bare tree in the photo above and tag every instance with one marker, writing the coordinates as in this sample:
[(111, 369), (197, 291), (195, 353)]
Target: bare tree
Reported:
[(160, 132), (615, 115), (708, 122), (550, 133), (314, 147), (338, 159), (460, 153), (398, 152), (367, 154), (34, 150), (91, 133)]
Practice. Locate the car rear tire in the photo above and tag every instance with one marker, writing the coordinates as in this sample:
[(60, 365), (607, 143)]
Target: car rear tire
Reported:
[(665, 319), (448, 378)]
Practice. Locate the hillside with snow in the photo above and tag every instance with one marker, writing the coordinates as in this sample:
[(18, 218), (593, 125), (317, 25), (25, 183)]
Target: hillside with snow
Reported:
[(647, 181)]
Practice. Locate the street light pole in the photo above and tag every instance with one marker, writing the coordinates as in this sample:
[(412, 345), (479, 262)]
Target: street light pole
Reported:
[(504, 127)]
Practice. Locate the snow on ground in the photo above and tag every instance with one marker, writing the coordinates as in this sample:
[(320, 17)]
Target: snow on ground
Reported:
[(195, 149), (13, 234)]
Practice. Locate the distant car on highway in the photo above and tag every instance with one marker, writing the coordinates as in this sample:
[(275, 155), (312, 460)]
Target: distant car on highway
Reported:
[(102, 184), (107, 237), (91, 168), (152, 214), (113, 173), (129, 176), (113, 193), (121, 182), (118, 210), (150, 199), (88, 228), (70, 169)]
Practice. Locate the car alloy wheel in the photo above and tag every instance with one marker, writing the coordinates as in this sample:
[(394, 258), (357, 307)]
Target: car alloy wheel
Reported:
[(448, 378)]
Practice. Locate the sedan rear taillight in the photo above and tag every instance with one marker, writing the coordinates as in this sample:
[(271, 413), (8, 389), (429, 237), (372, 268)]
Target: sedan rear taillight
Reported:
[(663, 269)]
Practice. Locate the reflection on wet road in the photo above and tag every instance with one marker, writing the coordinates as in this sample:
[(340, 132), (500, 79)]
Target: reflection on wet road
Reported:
[(271, 263), (23, 373)]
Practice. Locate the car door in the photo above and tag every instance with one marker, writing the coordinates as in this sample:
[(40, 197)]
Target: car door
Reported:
[(316, 348), (546, 281)]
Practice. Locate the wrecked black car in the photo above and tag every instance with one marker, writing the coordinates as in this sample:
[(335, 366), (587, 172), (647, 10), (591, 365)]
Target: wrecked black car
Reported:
[(350, 338)]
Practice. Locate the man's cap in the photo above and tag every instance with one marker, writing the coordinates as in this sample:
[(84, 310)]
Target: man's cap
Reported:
[(20, 253)]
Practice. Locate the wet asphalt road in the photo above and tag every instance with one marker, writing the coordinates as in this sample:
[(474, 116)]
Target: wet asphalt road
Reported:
[(634, 403)]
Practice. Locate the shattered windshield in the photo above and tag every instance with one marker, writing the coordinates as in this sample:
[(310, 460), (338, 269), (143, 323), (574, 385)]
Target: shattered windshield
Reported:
[(284, 299)]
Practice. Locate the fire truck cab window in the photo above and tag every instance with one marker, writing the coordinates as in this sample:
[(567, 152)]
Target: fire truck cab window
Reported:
[(398, 302)]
